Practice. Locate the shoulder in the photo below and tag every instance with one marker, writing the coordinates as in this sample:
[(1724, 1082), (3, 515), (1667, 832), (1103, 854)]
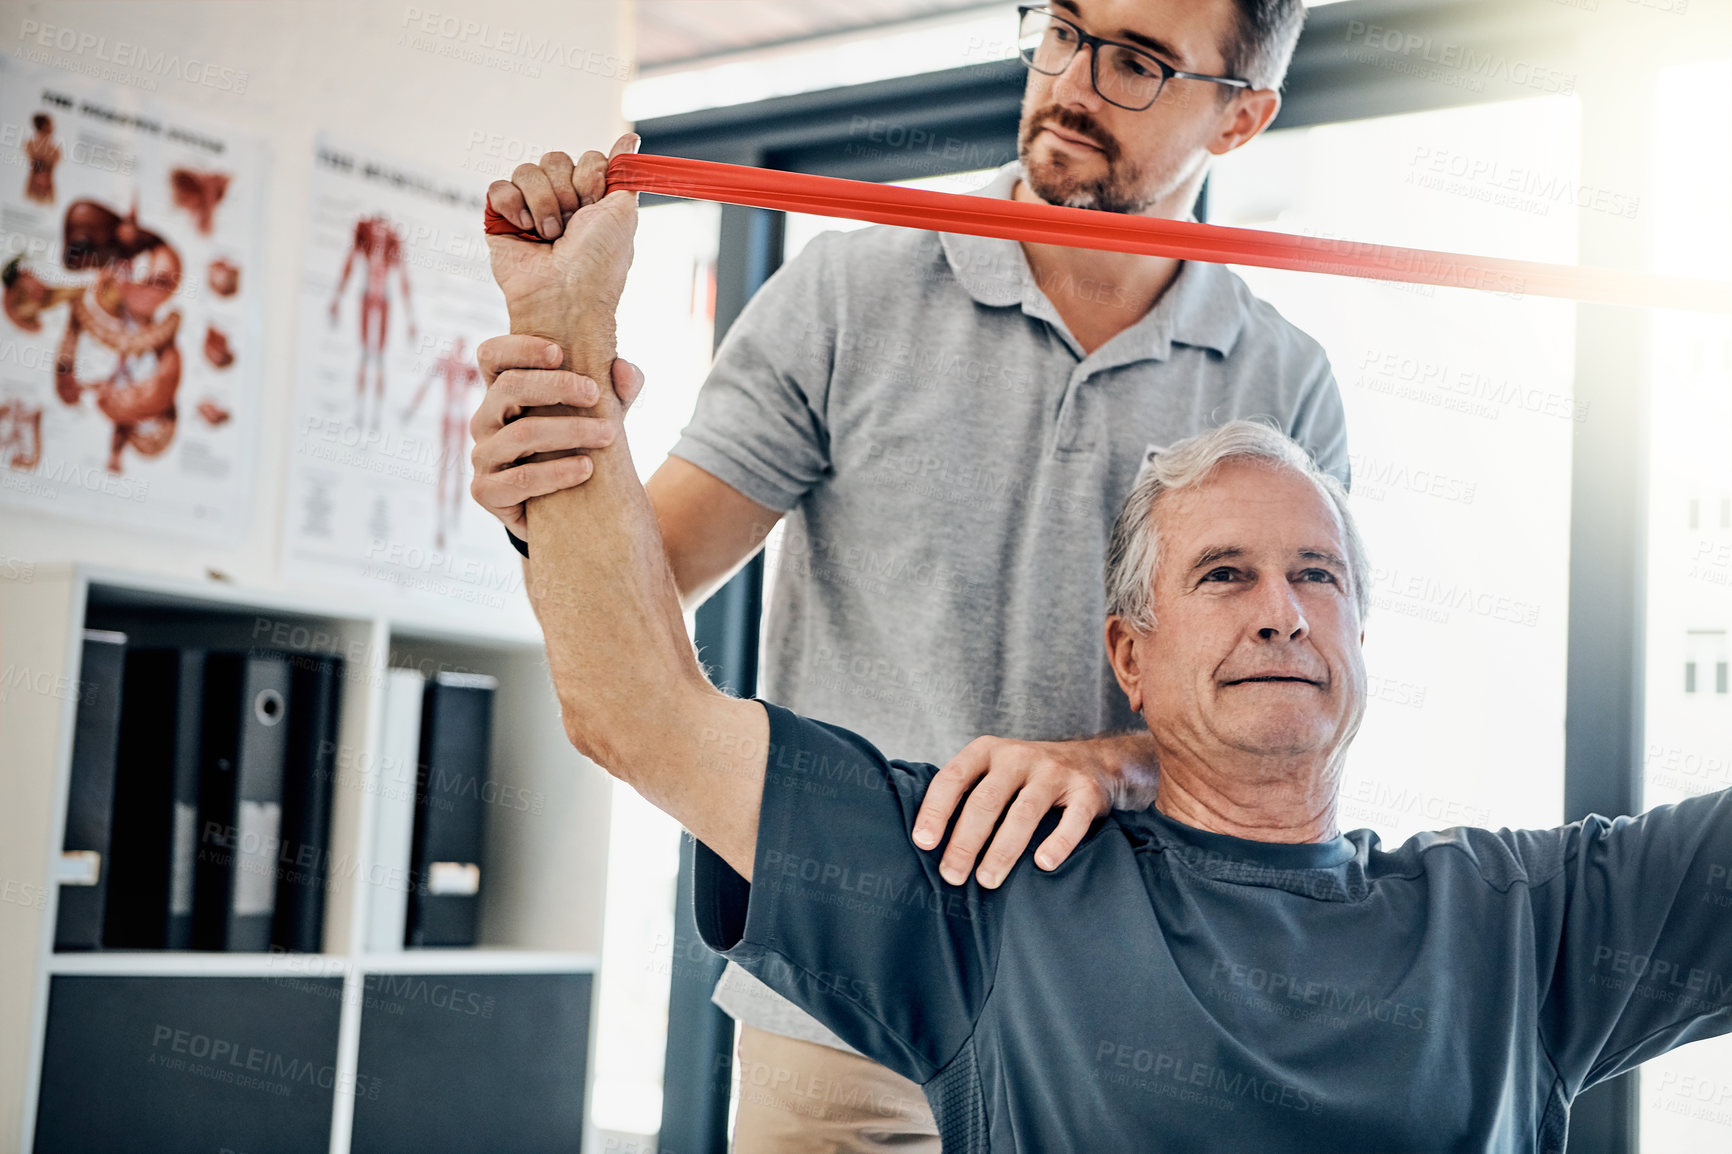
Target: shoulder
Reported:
[(1264, 332), (1498, 859), (807, 751), (877, 252)]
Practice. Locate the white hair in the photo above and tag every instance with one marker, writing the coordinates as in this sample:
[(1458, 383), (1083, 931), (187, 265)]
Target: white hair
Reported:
[(1136, 549)]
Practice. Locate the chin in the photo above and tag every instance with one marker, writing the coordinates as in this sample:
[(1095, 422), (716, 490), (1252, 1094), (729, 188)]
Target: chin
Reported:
[(1272, 735), (1057, 180)]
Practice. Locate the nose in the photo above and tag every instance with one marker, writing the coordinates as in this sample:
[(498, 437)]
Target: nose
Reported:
[(1075, 85), (1279, 614)]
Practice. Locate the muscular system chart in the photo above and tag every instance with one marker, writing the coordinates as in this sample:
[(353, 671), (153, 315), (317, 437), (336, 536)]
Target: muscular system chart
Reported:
[(394, 297)]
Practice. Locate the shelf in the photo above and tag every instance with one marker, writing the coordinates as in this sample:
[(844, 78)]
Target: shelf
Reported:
[(196, 963), (481, 961), (122, 589), (544, 846), (191, 963)]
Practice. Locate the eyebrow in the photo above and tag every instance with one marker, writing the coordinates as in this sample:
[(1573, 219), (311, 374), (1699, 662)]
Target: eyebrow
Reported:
[(1216, 553), (1325, 556), (1131, 35), (1230, 552)]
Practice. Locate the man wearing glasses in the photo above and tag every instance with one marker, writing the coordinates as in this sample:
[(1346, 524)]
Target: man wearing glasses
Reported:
[(948, 424)]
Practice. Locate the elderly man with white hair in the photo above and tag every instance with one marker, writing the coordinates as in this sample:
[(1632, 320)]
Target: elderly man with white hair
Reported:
[(1227, 971)]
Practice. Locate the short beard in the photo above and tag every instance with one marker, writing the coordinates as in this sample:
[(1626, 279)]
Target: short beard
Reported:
[(1119, 190)]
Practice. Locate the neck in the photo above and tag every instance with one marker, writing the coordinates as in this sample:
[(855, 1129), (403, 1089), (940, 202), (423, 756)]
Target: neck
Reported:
[(1126, 284), (1256, 798)]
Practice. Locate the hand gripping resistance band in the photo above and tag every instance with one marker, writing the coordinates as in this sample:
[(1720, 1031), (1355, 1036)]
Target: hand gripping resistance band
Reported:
[(1122, 232)]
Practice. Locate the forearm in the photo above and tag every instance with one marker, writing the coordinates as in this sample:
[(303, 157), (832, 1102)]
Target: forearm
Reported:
[(632, 696), (599, 583), (708, 527), (1135, 764)]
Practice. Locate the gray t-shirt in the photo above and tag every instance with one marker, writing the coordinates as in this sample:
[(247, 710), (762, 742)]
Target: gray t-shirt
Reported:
[(1169, 987), (950, 464)]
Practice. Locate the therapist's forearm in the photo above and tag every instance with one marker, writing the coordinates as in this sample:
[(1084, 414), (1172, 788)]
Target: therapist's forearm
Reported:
[(1138, 767)]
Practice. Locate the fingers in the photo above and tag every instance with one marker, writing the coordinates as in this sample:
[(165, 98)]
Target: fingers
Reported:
[(1072, 828), (504, 493), (520, 389), (946, 789), (590, 178), (1031, 806), (543, 203), (991, 797), (630, 142), (528, 436), (627, 381), (505, 199), (559, 169), (516, 351)]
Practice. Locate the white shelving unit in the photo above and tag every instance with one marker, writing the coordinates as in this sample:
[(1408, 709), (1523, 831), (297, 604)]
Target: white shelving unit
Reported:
[(545, 850)]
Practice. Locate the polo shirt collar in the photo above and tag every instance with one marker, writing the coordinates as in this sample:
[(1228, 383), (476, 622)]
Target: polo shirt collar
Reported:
[(1200, 308)]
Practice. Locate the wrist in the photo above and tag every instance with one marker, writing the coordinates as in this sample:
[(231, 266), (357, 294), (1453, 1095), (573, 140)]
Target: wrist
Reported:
[(587, 337)]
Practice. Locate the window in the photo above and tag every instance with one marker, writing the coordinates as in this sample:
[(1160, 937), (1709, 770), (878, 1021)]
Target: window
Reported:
[(1459, 417), (666, 325), (1686, 1096)]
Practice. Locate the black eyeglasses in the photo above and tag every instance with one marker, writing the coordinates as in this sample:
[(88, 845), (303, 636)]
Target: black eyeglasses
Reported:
[(1125, 76)]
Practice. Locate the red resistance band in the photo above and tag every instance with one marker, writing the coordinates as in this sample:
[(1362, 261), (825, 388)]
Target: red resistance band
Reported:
[(1121, 232)]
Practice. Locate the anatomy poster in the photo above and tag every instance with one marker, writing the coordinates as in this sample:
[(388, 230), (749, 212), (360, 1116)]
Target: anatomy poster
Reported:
[(395, 295), (131, 351)]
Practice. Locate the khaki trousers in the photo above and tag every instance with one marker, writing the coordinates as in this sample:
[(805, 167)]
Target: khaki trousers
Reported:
[(803, 1098)]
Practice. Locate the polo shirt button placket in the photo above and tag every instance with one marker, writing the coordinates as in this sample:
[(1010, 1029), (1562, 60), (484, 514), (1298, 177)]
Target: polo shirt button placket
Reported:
[(1071, 425)]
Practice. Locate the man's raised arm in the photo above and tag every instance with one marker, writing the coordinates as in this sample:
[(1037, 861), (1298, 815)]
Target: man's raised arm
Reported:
[(631, 693)]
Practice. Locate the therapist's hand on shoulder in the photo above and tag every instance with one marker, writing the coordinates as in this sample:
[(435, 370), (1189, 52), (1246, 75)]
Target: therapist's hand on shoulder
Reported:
[(509, 430), (1022, 781)]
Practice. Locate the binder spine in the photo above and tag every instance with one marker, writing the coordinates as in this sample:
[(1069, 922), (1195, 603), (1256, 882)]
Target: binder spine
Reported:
[(84, 867), (456, 736), (314, 700)]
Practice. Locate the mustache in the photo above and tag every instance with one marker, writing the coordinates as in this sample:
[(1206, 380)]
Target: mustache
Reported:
[(1073, 121)]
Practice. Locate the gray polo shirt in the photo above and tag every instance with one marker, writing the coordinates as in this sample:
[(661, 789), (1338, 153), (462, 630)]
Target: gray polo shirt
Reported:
[(1176, 989), (950, 463)]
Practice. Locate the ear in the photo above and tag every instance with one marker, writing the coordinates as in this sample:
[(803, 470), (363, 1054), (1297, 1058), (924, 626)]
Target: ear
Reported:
[(1247, 114), (1122, 651)]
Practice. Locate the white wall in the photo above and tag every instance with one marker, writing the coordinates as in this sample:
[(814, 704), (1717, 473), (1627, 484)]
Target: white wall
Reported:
[(343, 68)]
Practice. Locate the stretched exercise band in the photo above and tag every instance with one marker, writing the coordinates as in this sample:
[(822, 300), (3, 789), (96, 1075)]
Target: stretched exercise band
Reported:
[(1121, 232)]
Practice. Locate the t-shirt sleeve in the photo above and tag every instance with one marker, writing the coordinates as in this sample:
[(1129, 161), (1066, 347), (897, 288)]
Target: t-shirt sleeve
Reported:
[(759, 424), (1636, 938), (844, 915), (1320, 422)]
